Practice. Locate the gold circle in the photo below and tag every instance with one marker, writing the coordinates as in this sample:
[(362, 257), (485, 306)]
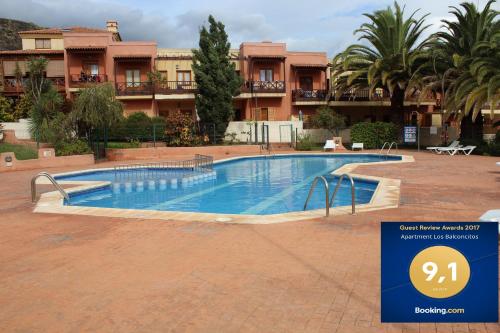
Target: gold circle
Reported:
[(441, 285)]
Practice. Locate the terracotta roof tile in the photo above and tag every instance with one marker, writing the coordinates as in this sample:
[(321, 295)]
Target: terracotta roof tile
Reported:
[(61, 30), (35, 52)]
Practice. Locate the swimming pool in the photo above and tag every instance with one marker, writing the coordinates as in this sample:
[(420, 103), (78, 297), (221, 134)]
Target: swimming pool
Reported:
[(250, 185)]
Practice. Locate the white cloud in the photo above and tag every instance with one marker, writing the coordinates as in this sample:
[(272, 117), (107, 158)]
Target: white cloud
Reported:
[(313, 25)]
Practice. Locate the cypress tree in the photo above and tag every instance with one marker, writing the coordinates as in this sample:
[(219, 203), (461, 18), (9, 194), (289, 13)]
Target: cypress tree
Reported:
[(215, 76)]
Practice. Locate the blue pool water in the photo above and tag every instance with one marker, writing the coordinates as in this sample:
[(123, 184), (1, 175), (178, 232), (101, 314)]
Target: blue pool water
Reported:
[(258, 185)]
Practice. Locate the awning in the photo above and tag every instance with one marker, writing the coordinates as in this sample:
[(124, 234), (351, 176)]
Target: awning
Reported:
[(133, 57), (267, 57), (309, 66), (86, 48)]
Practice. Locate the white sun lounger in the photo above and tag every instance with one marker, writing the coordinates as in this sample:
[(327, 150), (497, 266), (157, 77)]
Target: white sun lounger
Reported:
[(491, 216), (467, 150), (330, 144), (357, 145), (439, 150)]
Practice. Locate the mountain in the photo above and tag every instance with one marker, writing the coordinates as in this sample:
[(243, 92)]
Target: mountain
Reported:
[(9, 39)]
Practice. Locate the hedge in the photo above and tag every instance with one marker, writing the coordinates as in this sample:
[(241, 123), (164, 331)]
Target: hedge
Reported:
[(373, 135)]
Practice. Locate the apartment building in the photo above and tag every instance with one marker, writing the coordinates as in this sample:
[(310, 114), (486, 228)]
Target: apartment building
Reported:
[(279, 85)]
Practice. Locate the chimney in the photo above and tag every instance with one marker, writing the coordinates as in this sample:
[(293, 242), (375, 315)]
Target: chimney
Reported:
[(112, 26)]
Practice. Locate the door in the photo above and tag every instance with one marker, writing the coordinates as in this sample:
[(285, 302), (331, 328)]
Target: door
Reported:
[(306, 83)]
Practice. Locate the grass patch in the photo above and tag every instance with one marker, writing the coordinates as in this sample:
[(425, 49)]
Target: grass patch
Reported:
[(124, 145), (21, 152)]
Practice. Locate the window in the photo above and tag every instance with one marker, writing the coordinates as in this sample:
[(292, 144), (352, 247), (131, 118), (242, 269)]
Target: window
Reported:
[(266, 74), (91, 68), (164, 75), (184, 77), (133, 77), (306, 82), (42, 43)]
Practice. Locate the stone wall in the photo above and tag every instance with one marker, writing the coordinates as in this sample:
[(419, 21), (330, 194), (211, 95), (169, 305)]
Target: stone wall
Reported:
[(46, 159), (177, 153)]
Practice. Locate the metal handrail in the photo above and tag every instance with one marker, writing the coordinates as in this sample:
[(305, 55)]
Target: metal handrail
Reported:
[(52, 180), (327, 192), (389, 150), (382, 149), (353, 192), (390, 144)]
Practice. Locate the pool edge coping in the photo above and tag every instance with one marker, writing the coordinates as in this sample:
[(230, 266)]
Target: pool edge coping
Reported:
[(386, 196)]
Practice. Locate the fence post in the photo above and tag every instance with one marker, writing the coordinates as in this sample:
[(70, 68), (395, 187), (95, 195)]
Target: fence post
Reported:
[(154, 135)]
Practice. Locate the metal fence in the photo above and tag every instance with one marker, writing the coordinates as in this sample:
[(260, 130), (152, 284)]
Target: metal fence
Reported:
[(199, 167)]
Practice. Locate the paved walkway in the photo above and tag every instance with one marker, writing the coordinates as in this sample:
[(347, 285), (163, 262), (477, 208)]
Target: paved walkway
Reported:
[(85, 274)]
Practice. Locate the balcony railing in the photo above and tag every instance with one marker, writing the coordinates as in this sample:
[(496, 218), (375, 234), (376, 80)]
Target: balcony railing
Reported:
[(265, 86), (84, 79), (13, 85), (362, 95), (176, 87), (309, 95), (133, 88)]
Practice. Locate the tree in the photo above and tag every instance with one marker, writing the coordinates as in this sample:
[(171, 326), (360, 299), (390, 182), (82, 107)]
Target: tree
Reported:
[(395, 50), (464, 66), (215, 76), (328, 119), (96, 107)]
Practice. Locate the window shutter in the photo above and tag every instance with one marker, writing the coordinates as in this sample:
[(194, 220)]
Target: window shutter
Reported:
[(55, 68), (9, 67)]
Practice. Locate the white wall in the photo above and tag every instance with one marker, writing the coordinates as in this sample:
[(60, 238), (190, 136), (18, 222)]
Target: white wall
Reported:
[(21, 128), (241, 128), (279, 131)]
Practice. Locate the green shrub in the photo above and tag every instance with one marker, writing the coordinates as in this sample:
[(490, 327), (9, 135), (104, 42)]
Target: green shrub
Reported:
[(325, 117), (76, 147), (305, 143), (373, 135), (23, 107), (6, 111), (180, 131), (124, 145), (139, 127)]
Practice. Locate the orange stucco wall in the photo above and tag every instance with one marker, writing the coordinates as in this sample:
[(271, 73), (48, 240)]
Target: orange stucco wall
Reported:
[(282, 106), (113, 68), (138, 105)]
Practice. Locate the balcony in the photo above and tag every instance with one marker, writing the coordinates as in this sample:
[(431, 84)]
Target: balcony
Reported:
[(265, 87), (134, 88), (176, 87), (301, 95), (363, 94), (81, 80), (15, 86)]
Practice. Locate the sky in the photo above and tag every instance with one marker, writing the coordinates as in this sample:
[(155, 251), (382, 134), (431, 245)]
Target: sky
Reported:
[(312, 25)]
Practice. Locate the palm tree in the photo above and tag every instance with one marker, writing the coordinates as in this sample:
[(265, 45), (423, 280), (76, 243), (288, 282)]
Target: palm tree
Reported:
[(44, 98), (395, 49), (465, 65)]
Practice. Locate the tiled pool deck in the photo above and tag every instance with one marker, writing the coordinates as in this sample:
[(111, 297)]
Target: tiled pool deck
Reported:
[(66, 273)]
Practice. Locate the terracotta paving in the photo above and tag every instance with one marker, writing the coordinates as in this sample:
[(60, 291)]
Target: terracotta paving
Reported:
[(62, 273)]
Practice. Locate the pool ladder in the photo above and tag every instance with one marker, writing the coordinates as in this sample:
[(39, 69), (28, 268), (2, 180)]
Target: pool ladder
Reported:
[(390, 144), (52, 180), (329, 202)]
